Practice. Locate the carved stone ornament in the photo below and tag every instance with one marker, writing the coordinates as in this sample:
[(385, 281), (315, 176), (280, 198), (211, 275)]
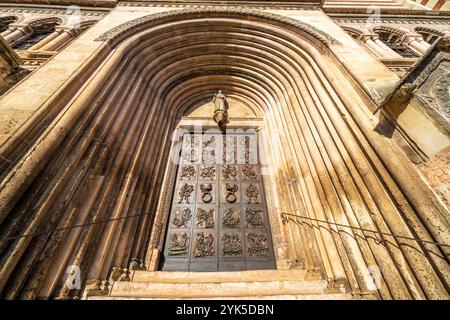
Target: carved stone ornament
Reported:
[(188, 173), (257, 245), (205, 219), (185, 193), (190, 155), (231, 218), (220, 109), (190, 149), (229, 172), (204, 245), (440, 90), (209, 156), (405, 92), (209, 141), (232, 245), (182, 217), (116, 272), (252, 193), (231, 190), (137, 264), (230, 150), (178, 244), (206, 192), (254, 217), (249, 172), (208, 172), (142, 23)]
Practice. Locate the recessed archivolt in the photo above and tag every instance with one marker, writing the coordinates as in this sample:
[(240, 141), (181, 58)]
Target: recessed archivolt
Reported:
[(35, 22), (214, 12), (143, 88)]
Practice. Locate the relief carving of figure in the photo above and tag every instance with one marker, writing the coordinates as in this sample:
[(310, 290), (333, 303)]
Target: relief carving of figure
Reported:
[(230, 150), (252, 193), (209, 156), (249, 172), (220, 109), (232, 245), (208, 172), (257, 245), (231, 218), (188, 173), (185, 193), (229, 172), (254, 217), (205, 219), (190, 149), (204, 245), (181, 217), (178, 244)]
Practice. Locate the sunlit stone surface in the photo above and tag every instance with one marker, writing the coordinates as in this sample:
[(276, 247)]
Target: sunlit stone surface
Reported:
[(321, 171)]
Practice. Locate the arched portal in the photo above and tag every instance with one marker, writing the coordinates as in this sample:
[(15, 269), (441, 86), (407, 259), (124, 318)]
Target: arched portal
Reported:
[(218, 220), (105, 155)]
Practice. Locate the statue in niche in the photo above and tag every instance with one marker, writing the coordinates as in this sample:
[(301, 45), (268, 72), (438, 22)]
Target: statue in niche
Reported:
[(220, 109)]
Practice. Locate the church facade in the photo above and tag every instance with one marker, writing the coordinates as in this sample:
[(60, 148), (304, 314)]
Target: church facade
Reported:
[(224, 149)]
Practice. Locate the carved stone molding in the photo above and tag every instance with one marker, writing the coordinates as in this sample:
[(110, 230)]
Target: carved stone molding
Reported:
[(11, 11), (434, 93), (284, 5), (153, 19), (406, 21)]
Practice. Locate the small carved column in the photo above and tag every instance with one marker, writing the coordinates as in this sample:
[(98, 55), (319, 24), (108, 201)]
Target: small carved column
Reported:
[(368, 40), (18, 33), (46, 40), (387, 52), (6, 32), (59, 40), (416, 43)]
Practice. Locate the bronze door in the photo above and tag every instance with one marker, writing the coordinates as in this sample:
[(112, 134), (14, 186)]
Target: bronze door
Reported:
[(218, 220)]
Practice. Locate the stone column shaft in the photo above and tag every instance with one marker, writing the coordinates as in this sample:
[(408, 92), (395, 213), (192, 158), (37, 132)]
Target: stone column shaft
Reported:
[(374, 47), (419, 46), (6, 32), (58, 41), (45, 41), (15, 35), (387, 52)]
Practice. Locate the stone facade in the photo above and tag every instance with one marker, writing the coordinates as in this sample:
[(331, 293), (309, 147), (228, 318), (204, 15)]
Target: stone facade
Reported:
[(348, 198)]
